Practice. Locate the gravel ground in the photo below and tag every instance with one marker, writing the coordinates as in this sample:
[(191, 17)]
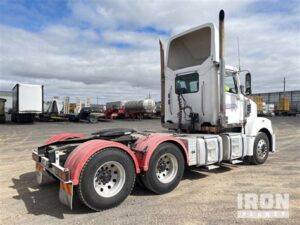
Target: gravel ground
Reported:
[(202, 197)]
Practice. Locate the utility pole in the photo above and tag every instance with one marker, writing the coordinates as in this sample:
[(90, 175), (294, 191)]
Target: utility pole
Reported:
[(238, 45), (284, 86)]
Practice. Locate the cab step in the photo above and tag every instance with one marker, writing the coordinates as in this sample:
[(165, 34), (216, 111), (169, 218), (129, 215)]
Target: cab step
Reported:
[(212, 167), (236, 161)]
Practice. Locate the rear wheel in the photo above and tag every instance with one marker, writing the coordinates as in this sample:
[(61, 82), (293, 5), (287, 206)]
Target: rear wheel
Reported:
[(106, 179), (166, 169), (261, 149)]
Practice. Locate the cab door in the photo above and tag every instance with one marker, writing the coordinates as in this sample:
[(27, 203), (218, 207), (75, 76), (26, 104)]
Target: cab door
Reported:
[(233, 99)]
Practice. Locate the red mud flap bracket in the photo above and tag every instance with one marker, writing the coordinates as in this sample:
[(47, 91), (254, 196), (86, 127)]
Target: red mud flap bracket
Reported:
[(66, 193)]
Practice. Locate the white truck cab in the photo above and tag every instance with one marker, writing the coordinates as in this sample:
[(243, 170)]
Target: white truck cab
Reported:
[(202, 95)]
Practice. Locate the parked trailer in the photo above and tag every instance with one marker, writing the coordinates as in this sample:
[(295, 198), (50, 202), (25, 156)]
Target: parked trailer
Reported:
[(27, 102), (86, 114), (270, 109), (102, 168), (157, 108), (139, 109)]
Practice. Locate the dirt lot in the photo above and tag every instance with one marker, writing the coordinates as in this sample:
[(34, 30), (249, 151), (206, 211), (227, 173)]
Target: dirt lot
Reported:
[(201, 198)]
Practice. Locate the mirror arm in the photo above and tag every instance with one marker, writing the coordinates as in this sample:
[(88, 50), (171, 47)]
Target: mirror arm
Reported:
[(242, 88)]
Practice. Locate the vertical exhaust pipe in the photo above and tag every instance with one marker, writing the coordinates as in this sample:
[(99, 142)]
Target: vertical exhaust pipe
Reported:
[(162, 81), (222, 69)]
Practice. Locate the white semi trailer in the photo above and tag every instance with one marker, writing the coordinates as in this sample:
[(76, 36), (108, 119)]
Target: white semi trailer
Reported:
[(210, 121), (27, 102)]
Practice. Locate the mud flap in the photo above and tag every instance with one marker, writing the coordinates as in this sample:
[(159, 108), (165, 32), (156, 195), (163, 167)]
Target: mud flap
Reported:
[(42, 176), (66, 194)]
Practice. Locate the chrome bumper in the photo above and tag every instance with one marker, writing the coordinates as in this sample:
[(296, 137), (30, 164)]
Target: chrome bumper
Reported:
[(66, 185), (58, 171)]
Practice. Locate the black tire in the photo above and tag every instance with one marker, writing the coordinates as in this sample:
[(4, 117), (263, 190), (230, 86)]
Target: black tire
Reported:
[(139, 182), (257, 157), (86, 190), (150, 178), (92, 119)]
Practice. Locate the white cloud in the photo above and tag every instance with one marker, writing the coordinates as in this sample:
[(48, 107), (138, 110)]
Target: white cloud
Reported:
[(86, 62)]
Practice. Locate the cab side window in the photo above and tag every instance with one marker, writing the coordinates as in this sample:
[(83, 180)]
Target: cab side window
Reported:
[(188, 83), (230, 84)]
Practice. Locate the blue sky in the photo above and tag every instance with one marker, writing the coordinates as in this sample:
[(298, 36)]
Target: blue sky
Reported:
[(34, 14), (108, 48), (274, 6)]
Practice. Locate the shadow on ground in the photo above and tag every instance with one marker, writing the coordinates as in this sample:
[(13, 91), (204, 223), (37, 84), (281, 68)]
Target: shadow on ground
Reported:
[(43, 200)]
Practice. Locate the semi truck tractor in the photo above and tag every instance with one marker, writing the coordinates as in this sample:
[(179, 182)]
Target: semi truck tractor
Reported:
[(210, 121), (115, 110)]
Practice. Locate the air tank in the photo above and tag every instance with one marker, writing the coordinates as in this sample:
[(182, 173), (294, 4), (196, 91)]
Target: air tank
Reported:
[(142, 106)]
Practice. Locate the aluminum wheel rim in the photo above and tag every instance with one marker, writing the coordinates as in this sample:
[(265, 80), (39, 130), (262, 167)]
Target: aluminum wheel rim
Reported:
[(166, 168), (109, 179), (261, 148)]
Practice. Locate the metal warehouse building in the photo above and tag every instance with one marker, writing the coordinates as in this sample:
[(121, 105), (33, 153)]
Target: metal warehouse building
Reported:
[(274, 98)]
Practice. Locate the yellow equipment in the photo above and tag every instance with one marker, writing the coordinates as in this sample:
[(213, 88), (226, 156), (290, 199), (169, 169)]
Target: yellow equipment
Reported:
[(72, 107), (259, 102), (284, 104)]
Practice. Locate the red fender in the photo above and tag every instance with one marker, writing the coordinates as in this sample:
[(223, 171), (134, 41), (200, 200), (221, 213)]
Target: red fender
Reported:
[(80, 155), (145, 146), (62, 137)]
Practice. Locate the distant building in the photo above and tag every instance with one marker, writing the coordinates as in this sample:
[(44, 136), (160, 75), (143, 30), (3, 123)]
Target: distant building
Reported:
[(274, 98), (8, 96)]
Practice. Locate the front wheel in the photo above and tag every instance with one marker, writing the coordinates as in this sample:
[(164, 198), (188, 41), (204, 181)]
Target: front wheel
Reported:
[(166, 169), (261, 149), (107, 179), (92, 119)]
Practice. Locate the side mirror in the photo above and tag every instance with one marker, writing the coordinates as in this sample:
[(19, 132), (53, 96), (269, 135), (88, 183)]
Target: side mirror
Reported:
[(248, 90), (242, 87)]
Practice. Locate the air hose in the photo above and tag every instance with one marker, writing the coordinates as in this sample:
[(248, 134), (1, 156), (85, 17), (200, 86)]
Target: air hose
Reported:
[(179, 112)]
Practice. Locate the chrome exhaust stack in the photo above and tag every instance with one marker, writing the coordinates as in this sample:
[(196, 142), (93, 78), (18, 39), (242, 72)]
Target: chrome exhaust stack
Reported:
[(162, 81), (222, 70)]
